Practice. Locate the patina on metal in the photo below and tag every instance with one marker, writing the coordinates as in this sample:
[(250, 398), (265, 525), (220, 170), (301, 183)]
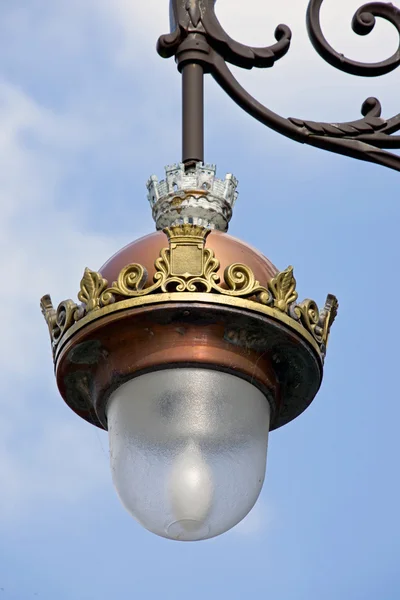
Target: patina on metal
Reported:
[(200, 45)]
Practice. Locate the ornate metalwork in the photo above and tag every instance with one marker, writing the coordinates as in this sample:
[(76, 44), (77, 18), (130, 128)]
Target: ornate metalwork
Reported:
[(60, 320), (188, 266), (318, 323), (363, 23), (283, 288), (198, 38), (92, 287), (196, 196), (189, 16)]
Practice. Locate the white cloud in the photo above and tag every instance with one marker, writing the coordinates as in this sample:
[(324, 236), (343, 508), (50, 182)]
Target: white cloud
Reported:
[(42, 248), (60, 463), (41, 242)]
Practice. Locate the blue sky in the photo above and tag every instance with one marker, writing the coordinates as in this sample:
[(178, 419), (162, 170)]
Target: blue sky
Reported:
[(87, 112)]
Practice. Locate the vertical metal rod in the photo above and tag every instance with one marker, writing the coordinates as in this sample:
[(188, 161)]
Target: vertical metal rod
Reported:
[(192, 113)]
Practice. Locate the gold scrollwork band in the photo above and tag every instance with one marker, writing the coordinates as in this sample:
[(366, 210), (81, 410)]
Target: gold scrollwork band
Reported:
[(187, 266)]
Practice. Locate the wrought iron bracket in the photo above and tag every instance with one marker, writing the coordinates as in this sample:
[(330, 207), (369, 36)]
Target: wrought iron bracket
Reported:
[(200, 45)]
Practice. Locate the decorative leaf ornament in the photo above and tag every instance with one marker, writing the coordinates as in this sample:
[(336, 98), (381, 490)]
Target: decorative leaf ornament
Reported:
[(92, 286), (283, 288)]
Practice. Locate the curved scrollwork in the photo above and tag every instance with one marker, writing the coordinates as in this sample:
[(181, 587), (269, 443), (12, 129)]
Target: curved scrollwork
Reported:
[(363, 139), (60, 320), (240, 55), (195, 16), (197, 36), (363, 23)]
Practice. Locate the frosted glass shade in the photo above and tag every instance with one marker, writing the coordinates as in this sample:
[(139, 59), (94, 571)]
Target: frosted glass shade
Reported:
[(188, 450)]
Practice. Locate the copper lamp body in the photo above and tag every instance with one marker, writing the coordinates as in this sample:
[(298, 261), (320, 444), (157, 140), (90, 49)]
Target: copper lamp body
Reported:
[(189, 346)]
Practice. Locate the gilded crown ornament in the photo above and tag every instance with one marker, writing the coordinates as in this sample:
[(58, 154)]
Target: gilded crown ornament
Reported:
[(186, 265)]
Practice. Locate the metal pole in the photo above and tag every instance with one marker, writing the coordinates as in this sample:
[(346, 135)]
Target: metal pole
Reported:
[(192, 113)]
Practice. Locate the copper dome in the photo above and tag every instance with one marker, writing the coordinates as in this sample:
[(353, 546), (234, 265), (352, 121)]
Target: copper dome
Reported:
[(228, 250)]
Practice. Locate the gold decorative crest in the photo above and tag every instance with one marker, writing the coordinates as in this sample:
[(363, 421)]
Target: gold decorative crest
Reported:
[(187, 266), (92, 287)]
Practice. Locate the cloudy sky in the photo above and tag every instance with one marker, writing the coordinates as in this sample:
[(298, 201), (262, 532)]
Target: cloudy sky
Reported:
[(87, 112)]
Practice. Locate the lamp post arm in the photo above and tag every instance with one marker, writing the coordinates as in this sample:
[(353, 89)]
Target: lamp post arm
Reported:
[(200, 45), (358, 139)]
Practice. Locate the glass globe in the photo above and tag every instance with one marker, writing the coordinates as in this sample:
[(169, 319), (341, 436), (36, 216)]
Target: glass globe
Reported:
[(188, 450)]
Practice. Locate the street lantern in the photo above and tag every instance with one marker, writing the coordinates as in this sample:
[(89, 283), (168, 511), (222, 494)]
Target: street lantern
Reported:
[(188, 345)]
